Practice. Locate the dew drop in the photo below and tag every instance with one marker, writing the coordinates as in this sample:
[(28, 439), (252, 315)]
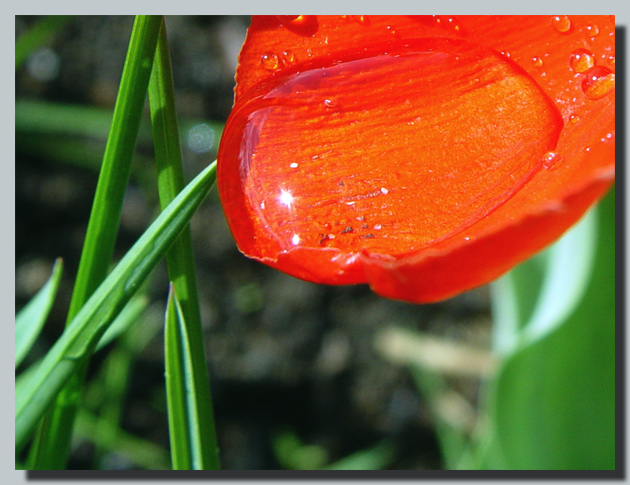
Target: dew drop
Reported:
[(581, 60), (561, 23), (598, 82), (330, 103), (538, 62), (550, 160), (293, 165), (288, 58), (270, 61), (574, 119), (592, 30), (378, 227), (384, 191)]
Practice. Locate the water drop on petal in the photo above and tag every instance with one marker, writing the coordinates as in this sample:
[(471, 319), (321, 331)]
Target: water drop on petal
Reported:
[(561, 23), (598, 82), (550, 160), (270, 61), (581, 60)]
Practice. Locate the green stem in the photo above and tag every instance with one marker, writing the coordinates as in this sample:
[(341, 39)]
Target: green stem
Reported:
[(181, 266), (53, 441)]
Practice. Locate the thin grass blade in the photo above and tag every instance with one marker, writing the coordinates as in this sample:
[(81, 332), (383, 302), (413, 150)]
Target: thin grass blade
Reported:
[(30, 320), (181, 267)]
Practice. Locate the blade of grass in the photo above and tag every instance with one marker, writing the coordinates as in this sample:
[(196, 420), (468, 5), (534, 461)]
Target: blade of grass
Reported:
[(51, 447), (180, 260), (30, 320), (182, 431), (86, 329)]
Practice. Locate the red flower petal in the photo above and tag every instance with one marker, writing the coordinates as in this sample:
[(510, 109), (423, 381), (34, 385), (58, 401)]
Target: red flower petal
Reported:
[(422, 155)]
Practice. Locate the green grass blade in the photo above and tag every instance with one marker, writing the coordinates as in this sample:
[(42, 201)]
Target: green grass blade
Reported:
[(83, 333), (41, 34), (30, 320), (177, 369), (127, 317), (110, 191), (180, 260), (51, 447)]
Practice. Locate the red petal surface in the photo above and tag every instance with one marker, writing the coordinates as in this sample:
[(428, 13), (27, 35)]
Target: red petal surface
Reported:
[(422, 155)]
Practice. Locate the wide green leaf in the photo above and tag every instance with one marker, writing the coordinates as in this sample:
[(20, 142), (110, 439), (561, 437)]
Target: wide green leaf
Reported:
[(552, 406)]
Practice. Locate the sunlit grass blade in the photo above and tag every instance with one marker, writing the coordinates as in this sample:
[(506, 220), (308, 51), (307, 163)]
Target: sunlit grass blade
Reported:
[(50, 449), (181, 265), (39, 35), (182, 431), (86, 329), (30, 320)]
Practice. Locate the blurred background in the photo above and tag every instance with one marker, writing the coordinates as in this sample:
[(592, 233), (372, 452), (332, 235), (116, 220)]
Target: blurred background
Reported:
[(302, 375)]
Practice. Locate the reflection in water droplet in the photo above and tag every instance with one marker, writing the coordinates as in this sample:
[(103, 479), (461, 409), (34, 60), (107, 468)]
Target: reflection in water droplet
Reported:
[(270, 61), (538, 62), (581, 60), (598, 82), (288, 58), (592, 30), (561, 23), (574, 119), (550, 160)]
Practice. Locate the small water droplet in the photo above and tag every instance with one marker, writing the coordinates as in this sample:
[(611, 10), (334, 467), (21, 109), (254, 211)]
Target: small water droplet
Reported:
[(587, 149), (538, 62), (505, 54), (288, 58), (598, 82), (592, 30), (330, 103), (581, 60), (270, 61), (378, 227), (293, 165), (295, 239), (384, 191), (309, 53), (574, 119), (550, 160), (561, 23)]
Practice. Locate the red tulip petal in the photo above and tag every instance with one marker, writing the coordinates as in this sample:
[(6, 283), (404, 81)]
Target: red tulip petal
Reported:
[(411, 153)]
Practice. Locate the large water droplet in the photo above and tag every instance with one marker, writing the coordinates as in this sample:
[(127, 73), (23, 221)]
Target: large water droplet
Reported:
[(598, 82), (561, 23), (270, 61), (581, 60), (461, 157)]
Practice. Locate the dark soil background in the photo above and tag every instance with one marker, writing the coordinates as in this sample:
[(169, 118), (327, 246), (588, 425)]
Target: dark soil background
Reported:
[(283, 354)]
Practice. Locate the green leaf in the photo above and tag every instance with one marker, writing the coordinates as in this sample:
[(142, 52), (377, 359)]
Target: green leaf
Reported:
[(30, 320), (83, 333), (552, 406)]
